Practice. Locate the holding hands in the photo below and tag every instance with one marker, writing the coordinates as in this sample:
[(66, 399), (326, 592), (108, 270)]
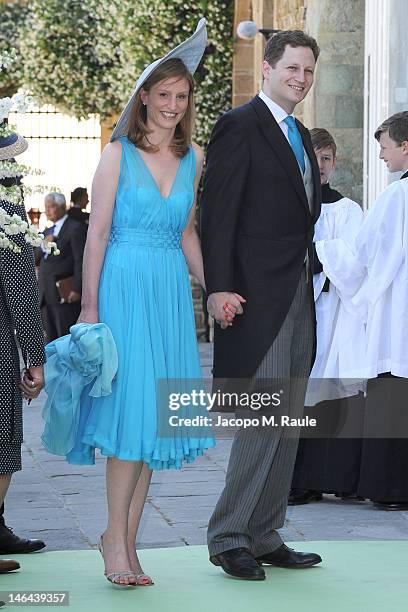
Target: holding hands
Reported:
[(223, 306)]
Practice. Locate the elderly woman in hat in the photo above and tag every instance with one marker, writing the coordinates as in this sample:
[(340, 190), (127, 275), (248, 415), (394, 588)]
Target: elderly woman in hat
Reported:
[(20, 320), (141, 243)]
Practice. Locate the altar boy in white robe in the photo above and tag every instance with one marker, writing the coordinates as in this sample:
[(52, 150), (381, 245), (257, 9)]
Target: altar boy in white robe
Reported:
[(331, 464), (372, 280)]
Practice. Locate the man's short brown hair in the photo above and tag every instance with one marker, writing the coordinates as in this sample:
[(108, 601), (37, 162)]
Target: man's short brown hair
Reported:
[(322, 139), (275, 47), (396, 126)]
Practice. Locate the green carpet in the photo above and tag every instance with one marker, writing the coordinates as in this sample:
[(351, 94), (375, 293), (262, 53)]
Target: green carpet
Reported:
[(363, 576)]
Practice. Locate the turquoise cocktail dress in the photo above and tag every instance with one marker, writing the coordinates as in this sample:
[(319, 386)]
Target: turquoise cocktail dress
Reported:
[(145, 299)]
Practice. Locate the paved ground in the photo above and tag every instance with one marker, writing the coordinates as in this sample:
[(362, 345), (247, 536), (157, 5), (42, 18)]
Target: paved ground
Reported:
[(65, 505)]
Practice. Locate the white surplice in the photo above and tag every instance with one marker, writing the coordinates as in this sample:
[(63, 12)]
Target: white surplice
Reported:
[(371, 277), (340, 334)]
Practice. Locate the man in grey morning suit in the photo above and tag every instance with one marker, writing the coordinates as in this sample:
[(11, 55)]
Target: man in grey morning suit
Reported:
[(260, 201)]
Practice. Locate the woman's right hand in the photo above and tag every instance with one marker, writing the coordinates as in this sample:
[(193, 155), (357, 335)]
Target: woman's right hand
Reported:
[(88, 315)]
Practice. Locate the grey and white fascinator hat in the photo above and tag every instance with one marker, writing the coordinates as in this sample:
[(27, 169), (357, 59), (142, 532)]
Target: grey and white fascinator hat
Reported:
[(190, 52)]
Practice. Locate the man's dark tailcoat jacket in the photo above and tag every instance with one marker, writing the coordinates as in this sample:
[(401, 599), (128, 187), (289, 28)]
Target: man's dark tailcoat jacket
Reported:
[(71, 243), (256, 227)]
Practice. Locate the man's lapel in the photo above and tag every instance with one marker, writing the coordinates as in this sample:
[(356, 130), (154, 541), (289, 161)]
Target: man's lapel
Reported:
[(281, 146), (63, 229)]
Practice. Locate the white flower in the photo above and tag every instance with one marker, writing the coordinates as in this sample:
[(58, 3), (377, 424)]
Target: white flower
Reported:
[(5, 129), (21, 102), (5, 108), (5, 243), (11, 194), (7, 58), (9, 169)]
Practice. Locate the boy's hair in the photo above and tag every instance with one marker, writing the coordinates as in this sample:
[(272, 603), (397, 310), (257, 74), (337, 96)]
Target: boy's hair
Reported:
[(396, 126), (276, 45), (322, 139)]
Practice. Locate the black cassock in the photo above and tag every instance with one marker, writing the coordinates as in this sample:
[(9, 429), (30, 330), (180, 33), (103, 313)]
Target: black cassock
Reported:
[(383, 470), (332, 464)]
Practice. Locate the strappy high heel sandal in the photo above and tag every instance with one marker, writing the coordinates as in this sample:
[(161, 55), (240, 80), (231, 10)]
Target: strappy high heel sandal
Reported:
[(143, 580), (114, 577)]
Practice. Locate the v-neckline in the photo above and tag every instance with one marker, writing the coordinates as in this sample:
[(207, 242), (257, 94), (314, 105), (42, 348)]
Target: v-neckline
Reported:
[(154, 180)]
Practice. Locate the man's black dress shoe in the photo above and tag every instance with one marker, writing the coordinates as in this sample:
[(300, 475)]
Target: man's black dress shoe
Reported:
[(11, 543), (287, 557), (239, 562), (297, 497), (8, 565), (349, 497), (391, 505)]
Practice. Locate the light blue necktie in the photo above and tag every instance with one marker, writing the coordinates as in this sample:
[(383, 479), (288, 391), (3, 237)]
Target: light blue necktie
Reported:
[(295, 140)]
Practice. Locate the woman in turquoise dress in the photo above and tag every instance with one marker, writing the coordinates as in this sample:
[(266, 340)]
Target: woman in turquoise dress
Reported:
[(141, 243)]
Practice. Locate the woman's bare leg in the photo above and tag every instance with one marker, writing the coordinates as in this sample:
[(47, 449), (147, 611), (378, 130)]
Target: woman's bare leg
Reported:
[(135, 513), (5, 480), (121, 480)]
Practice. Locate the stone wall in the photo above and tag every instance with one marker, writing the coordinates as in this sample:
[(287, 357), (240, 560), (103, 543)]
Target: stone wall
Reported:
[(337, 99), (289, 14)]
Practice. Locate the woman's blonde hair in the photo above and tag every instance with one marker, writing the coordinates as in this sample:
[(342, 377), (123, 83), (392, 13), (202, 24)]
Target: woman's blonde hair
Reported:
[(138, 129)]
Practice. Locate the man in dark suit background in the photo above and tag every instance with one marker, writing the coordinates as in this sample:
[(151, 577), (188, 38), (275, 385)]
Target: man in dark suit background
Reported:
[(70, 237), (260, 201), (79, 201)]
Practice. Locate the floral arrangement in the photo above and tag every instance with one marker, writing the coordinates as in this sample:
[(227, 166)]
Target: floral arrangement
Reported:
[(19, 103), (10, 225), (15, 194), (9, 169)]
